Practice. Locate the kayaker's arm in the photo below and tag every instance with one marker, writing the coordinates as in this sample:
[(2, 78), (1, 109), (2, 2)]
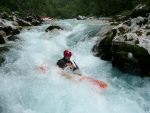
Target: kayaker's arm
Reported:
[(60, 63)]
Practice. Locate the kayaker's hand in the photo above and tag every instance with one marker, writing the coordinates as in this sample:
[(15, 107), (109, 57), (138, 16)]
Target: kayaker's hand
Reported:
[(68, 64), (74, 68)]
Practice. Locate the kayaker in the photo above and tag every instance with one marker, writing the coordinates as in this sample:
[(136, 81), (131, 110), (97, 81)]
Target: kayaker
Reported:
[(65, 61)]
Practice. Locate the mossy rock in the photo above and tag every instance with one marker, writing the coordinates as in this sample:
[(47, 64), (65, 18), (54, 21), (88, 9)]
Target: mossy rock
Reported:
[(109, 36), (106, 44), (121, 53), (148, 33), (139, 33), (136, 50), (137, 41), (122, 30), (138, 66)]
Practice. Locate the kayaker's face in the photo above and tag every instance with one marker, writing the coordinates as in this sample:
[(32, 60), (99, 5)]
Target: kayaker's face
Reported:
[(67, 58)]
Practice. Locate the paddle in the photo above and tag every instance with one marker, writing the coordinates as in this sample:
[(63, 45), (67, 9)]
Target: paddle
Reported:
[(76, 65)]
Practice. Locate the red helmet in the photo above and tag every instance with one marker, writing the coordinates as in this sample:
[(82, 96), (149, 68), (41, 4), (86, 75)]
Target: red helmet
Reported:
[(67, 53)]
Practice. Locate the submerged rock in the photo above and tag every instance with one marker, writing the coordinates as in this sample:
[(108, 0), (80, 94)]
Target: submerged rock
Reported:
[(50, 28)]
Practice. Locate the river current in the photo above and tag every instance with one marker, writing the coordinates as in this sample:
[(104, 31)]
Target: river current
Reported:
[(26, 89)]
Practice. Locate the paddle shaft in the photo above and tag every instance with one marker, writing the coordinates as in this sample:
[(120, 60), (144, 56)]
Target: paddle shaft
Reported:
[(76, 65)]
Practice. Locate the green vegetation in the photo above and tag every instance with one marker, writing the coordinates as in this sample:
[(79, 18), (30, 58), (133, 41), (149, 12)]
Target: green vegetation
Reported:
[(69, 8)]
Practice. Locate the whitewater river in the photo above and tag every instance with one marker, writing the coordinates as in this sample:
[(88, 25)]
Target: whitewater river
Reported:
[(26, 89)]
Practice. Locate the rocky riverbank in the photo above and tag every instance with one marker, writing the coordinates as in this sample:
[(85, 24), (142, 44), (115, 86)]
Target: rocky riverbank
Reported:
[(11, 25), (127, 44)]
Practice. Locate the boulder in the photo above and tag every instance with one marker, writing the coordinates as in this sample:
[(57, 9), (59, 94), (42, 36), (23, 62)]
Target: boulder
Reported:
[(7, 29), (135, 64), (125, 64), (2, 41), (15, 32), (35, 22), (106, 44), (12, 38), (96, 52), (54, 26), (23, 22)]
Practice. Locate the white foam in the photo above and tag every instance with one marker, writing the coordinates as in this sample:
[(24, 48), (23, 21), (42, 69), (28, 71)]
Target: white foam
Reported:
[(26, 89)]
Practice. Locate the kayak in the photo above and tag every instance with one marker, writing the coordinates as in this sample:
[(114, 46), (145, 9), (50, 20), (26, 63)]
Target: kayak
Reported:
[(91, 81), (98, 83), (81, 78)]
